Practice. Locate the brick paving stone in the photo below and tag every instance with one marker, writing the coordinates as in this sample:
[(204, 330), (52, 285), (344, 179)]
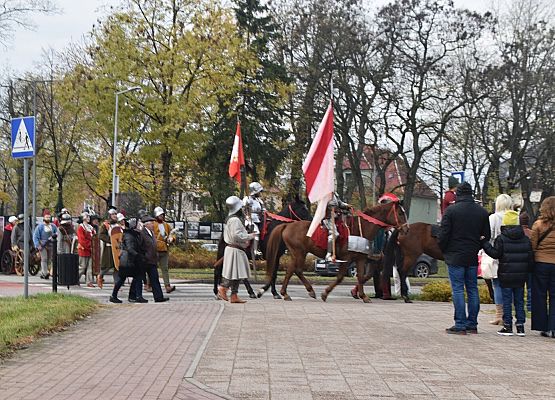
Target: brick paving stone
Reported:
[(123, 351), (342, 349)]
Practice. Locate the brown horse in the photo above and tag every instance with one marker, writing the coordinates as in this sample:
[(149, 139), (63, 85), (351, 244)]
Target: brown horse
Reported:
[(404, 247), (299, 245)]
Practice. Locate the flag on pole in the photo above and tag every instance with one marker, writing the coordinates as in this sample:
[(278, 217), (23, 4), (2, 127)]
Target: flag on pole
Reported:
[(318, 169), (237, 159)]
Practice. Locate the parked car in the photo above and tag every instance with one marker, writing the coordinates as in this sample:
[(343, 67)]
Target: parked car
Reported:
[(209, 246), (422, 268)]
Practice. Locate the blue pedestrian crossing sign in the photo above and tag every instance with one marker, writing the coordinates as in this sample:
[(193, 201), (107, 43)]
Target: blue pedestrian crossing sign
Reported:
[(23, 137)]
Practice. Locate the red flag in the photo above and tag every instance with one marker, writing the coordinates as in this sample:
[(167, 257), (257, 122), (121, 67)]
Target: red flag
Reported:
[(237, 158), (318, 165)]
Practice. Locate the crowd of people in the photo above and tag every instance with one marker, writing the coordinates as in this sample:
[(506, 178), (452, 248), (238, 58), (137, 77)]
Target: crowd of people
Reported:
[(92, 242), (513, 255)]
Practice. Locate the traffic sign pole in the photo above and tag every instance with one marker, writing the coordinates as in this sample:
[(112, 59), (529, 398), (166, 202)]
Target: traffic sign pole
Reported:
[(23, 146), (26, 227)]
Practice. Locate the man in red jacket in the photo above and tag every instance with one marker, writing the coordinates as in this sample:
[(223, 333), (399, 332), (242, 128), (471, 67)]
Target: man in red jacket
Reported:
[(85, 233), (450, 195)]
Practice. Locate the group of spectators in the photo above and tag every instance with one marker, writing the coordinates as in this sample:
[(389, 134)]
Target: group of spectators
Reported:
[(515, 256)]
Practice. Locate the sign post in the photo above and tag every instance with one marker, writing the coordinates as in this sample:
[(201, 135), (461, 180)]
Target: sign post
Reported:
[(23, 146)]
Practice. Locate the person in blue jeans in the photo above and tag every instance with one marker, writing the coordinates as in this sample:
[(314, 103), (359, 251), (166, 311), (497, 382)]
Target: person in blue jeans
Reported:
[(464, 226), (514, 251)]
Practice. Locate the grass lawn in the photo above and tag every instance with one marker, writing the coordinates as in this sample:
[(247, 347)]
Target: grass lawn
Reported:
[(23, 320)]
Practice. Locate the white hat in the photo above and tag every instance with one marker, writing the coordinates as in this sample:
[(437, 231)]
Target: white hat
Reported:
[(234, 204), (158, 211), (120, 217), (12, 219), (112, 211), (65, 219)]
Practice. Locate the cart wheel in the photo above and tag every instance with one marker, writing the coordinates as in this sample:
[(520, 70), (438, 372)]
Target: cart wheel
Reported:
[(18, 264), (34, 269), (6, 263)]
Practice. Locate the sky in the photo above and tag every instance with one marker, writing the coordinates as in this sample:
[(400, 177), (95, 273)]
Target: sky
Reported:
[(76, 19)]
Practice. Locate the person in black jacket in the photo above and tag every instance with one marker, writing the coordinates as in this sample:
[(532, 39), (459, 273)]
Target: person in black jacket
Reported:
[(514, 251), (131, 260), (463, 226)]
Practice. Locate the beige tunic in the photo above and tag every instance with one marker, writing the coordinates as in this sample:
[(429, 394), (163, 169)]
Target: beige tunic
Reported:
[(236, 263)]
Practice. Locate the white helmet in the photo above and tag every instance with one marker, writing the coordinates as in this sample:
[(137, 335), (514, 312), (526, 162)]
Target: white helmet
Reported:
[(12, 219), (120, 217), (158, 211), (255, 188), (233, 204)]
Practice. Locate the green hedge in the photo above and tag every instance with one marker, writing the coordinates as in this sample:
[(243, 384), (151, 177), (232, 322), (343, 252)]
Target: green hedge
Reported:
[(441, 291)]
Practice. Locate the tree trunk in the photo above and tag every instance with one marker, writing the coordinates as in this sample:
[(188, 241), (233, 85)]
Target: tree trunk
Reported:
[(60, 202), (165, 194)]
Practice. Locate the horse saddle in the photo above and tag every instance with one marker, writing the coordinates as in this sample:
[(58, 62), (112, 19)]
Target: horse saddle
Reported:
[(320, 235), (436, 229)]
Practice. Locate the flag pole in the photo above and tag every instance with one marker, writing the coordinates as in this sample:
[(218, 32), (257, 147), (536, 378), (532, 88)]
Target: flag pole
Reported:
[(243, 186)]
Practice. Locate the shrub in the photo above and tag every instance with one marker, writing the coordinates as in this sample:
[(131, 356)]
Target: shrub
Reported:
[(441, 291)]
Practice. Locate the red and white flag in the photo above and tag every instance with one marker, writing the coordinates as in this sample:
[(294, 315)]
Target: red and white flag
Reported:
[(318, 169), (237, 158)]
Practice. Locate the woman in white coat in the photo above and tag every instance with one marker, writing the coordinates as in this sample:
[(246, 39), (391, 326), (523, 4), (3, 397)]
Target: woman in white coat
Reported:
[(236, 263), (489, 266)]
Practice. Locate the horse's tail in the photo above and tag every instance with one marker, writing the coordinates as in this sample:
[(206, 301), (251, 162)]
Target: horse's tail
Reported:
[(272, 249), (391, 252)]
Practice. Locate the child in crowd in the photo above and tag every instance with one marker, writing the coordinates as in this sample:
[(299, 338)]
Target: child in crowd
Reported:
[(514, 251)]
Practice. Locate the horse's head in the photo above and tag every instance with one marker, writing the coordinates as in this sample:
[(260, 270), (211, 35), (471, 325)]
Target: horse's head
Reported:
[(391, 213), (298, 209)]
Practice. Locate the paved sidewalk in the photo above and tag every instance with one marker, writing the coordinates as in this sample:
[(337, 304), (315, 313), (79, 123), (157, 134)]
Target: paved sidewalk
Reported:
[(344, 349), (137, 351)]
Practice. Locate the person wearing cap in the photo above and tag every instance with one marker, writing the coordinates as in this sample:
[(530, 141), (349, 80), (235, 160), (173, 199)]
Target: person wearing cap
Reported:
[(42, 239), (67, 237), (7, 235), (107, 260), (18, 241), (450, 195), (464, 226), (236, 263), (85, 232), (514, 251), (150, 259), (162, 232)]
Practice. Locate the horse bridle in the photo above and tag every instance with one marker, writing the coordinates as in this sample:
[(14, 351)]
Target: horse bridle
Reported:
[(293, 213), (376, 221)]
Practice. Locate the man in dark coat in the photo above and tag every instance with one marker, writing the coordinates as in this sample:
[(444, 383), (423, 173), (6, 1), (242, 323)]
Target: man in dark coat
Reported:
[(151, 258), (464, 227)]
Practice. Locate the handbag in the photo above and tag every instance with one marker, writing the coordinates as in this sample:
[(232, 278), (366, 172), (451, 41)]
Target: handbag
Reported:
[(488, 267)]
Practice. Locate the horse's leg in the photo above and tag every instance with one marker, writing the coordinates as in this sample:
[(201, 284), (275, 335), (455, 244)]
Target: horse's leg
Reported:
[(403, 277), (291, 267), (273, 283), (362, 278), (249, 288), (306, 283), (218, 266), (340, 275)]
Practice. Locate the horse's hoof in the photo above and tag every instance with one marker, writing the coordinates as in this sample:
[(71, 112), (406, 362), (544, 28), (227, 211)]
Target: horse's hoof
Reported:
[(354, 293), (366, 299), (407, 300), (276, 296), (286, 297), (312, 294), (259, 293), (252, 295), (324, 296)]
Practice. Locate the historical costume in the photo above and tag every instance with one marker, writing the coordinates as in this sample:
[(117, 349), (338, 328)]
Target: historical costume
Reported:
[(254, 212), (450, 195), (338, 208), (7, 235), (162, 232), (236, 263), (107, 260), (68, 237), (85, 233), (42, 239), (151, 257)]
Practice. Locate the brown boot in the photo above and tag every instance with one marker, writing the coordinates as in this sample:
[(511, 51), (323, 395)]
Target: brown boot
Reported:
[(170, 288), (99, 281), (236, 299), (498, 320), (222, 292)]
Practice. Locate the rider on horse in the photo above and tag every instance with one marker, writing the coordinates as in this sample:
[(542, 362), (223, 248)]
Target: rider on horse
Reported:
[(339, 208), (254, 207)]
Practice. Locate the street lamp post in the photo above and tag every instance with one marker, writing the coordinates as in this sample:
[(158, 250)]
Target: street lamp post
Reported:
[(116, 141)]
